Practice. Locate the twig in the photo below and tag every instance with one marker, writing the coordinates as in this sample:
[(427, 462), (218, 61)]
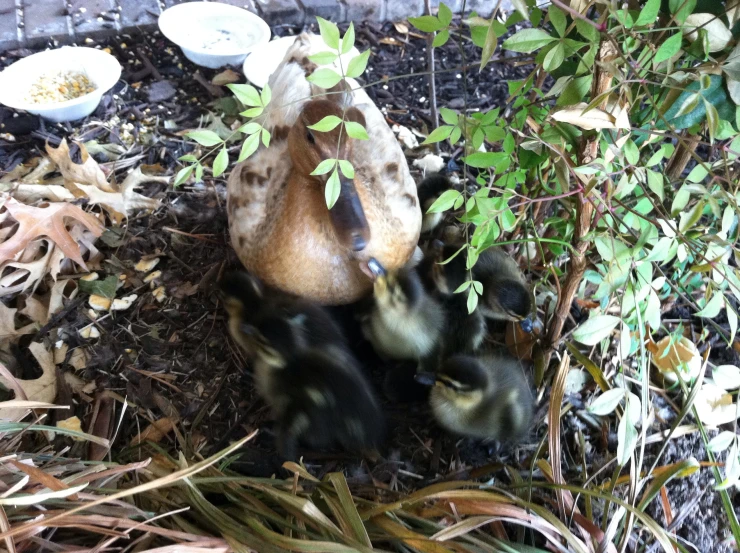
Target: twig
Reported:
[(56, 319), (681, 156), (432, 84), (148, 65), (212, 89), (587, 152)]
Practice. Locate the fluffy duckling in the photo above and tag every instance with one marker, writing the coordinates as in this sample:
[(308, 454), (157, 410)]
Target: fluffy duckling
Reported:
[(248, 301), (405, 322), (304, 371), (484, 397), (431, 188), (505, 293)]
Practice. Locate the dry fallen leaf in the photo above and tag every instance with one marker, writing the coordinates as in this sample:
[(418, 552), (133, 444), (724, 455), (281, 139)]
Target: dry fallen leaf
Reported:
[(43, 388), (8, 332), (593, 119), (226, 77), (87, 173), (155, 431), (681, 356), (74, 424), (48, 222), (718, 35), (714, 406)]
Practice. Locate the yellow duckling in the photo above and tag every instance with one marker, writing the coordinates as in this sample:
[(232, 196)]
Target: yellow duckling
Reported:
[(280, 226)]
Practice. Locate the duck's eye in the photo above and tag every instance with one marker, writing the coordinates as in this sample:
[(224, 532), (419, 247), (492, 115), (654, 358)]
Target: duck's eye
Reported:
[(310, 138)]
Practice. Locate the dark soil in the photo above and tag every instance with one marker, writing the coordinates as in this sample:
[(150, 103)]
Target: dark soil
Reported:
[(176, 359)]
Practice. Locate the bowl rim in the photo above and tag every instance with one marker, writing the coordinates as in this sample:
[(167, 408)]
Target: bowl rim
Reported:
[(172, 11), (101, 88)]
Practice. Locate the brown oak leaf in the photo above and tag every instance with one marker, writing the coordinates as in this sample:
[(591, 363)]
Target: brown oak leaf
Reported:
[(88, 172), (49, 222)]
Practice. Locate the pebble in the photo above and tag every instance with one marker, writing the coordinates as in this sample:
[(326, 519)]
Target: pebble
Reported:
[(160, 91)]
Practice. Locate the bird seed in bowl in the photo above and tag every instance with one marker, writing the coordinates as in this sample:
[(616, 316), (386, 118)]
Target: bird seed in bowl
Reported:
[(59, 87)]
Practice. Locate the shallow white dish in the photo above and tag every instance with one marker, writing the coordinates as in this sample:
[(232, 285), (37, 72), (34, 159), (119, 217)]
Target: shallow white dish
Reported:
[(212, 34), (264, 59), (102, 69)]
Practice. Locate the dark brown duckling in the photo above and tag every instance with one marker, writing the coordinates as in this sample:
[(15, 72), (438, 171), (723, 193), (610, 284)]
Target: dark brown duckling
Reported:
[(305, 373)]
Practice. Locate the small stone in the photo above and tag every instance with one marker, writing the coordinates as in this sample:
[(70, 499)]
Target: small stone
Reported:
[(161, 91)]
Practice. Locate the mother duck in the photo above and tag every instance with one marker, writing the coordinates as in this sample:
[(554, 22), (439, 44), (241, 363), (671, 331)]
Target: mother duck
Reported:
[(280, 225)]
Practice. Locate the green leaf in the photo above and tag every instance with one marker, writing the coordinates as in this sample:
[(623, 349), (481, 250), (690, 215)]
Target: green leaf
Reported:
[(106, 287), (326, 124), (713, 307), (426, 23), (183, 174), (595, 329), (698, 173), (199, 173), (444, 14), (441, 38), (250, 128), (249, 147), (266, 138), (348, 41), (554, 58), (325, 78), (472, 300), (323, 58), (329, 33), (607, 402), (444, 202), (188, 157), (681, 9), (682, 116), (220, 163), (484, 160), (455, 135), (204, 137), (246, 94), (669, 48), (438, 134), (655, 183), (356, 130), (448, 116), (649, 13), (347, 169), (588, 31), (721, 441), (631, 152), (527, 41), (489, 47), (712, 120), (557, 18), (324, 167), (332, 189), (626, 438), (357, 65), (464, 286), (266, 95), (252, 112)]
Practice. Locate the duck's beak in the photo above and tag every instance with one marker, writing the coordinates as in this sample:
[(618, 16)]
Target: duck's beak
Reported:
[(348, 217), (426, 378), (527, 324)]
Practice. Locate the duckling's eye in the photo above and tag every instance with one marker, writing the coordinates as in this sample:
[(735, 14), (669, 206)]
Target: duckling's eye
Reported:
[(310, 138)]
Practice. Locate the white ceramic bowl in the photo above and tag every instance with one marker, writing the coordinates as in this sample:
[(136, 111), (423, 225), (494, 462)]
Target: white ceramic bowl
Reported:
[(102, 69), (212, 34), (265, 58)]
